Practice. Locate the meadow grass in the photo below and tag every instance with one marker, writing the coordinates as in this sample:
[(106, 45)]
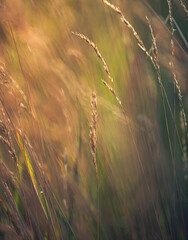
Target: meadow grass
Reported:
[(93, 137)]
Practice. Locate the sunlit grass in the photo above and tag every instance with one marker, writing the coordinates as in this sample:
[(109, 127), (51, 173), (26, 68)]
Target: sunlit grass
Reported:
[(82, 156)]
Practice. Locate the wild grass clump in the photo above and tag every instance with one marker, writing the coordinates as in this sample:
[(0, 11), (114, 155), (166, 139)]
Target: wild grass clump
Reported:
[(91, 145)]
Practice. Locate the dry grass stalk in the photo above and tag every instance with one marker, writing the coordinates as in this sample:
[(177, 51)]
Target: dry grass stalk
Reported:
[(104, 63), (124, 20), (172, 65), (96, 51), (155, 54), (93, 131), (93, 140), (184, 7), (155, 49), (113, 92)]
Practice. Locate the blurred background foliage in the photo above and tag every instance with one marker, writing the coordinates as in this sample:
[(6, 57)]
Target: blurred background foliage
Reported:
[(48, 187)]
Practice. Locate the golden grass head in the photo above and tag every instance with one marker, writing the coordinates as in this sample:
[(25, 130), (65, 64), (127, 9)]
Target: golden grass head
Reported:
[(93, 128)]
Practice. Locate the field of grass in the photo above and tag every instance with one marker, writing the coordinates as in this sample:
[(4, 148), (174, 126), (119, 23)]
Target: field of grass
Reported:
[(93, 119)]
